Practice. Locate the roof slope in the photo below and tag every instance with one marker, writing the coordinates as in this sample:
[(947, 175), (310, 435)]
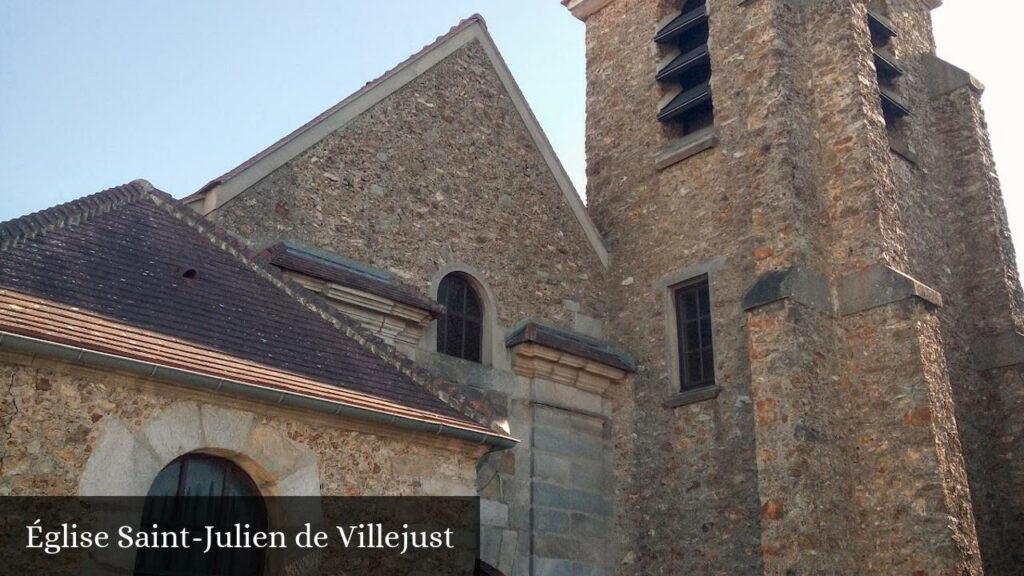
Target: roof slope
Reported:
[(222, 189), (40, 319), (132, 256)]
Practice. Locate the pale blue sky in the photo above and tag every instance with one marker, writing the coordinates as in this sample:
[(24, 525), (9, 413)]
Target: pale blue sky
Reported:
[(97, 93)]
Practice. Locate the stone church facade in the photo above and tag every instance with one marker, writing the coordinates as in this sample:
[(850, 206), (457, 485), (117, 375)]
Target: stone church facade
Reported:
[(782, 337)]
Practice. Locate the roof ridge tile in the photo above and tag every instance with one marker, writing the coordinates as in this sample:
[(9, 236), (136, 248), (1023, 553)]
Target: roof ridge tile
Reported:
[(18, 230)]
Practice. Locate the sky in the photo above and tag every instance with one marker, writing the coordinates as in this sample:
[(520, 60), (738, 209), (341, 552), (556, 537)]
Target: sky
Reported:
[(98, 93)]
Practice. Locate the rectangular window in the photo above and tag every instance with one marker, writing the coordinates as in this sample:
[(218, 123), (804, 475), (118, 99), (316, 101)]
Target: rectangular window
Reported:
[(693, 325)]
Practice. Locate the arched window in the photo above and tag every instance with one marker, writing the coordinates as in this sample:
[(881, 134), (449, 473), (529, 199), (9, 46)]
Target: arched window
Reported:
[(460, 330), (219, 494)]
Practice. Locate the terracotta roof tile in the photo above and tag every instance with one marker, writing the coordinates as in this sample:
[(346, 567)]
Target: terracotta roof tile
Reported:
[(45, 320)]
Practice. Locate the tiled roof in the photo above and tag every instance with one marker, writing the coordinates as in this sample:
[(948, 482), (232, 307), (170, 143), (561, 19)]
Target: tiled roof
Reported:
[(134, 257), (571, 342), (333, 268), (52, 322)]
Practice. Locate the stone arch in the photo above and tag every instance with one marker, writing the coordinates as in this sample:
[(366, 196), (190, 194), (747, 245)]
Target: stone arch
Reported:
[(493, 345), (124, 463)]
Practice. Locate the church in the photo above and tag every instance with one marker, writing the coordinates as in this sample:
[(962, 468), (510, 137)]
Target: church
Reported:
[(784, 335)]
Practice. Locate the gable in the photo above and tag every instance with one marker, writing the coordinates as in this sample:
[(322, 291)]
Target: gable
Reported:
[(225, 188)]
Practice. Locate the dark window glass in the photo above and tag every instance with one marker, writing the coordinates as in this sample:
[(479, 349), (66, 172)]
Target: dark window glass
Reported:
[(693, 322), (460, 330), (219, 494)]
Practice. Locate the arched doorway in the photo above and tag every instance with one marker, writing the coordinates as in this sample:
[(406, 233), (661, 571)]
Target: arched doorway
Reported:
[(194, 491)]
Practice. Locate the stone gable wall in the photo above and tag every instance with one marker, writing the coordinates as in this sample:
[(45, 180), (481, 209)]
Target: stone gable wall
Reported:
[(442, 171)]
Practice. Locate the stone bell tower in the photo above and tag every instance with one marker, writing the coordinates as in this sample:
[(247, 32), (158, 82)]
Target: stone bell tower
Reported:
[(811, 263)]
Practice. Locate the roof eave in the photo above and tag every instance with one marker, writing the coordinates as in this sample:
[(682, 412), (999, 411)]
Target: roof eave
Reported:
[(91, 358)]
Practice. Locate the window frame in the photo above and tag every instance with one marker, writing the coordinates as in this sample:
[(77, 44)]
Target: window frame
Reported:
[(700, 288), (467, 284), (676, 394)]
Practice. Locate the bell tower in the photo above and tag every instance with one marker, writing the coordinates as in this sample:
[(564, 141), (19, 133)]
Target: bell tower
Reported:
[(812, 266)]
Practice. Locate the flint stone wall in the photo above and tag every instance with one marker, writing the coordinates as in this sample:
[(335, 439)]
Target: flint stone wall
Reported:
[(69, 430)]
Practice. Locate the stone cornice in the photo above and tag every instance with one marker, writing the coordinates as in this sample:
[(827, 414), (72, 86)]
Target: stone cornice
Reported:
[(393, 321), (998, 351), (944, 78), (879, 285), (532, 360), (800, 285), (583, 9), (871, 287)]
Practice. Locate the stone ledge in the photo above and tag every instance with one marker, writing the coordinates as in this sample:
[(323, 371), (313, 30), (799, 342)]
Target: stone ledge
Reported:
[(532, 360), (582, 9), (570, 342), (685, 147), (944, 77), (798, 284), (688, 397), (998, 351), (393, 321), (879, 285)]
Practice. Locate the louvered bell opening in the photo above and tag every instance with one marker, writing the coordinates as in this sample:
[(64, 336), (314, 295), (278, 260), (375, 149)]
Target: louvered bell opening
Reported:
[(881, 27), (682, 24), (893, 105), (886, 64), (684, 62), (685, 101)]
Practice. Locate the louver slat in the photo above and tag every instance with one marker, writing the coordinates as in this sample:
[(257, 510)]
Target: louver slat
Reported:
[(893, 104), (685, 101), (886, 64), (880, 26), (684, 62), (680, 24)]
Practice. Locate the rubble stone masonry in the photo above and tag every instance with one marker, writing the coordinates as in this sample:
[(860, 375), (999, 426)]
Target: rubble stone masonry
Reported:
[(74, 430), (856, 430), (442, 171), (444, 174)]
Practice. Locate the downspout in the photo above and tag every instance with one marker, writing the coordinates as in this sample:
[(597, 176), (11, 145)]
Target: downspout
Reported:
[(91, 358)]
